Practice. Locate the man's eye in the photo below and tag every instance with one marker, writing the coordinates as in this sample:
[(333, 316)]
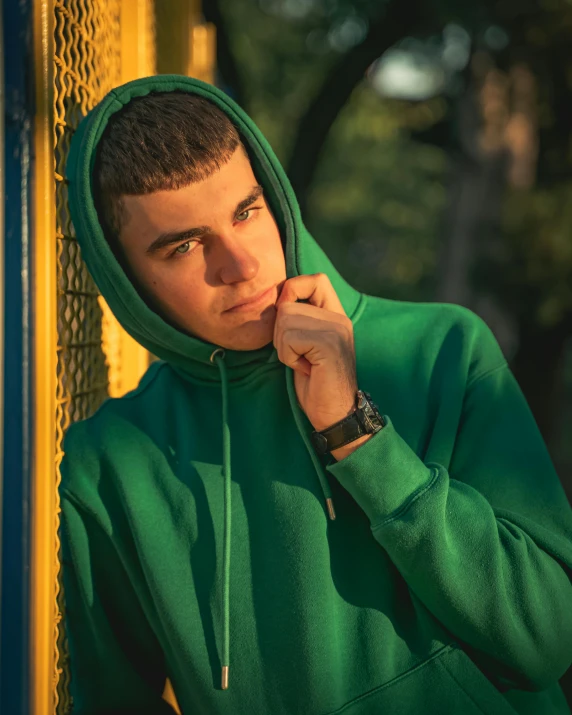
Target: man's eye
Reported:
[(244, 216), (185, 246)]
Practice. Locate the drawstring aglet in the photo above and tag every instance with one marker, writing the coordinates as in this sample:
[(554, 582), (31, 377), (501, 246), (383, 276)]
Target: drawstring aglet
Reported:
[(330, 505), (224, 677)]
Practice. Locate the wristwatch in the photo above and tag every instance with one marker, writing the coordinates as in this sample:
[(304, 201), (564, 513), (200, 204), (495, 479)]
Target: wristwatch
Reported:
[(364, 420)]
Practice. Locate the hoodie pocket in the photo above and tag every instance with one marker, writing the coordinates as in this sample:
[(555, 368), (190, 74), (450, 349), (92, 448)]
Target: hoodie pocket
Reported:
[(448, 683)]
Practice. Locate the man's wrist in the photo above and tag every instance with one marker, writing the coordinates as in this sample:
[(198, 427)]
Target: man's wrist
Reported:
[(344, 437), (345, 451)]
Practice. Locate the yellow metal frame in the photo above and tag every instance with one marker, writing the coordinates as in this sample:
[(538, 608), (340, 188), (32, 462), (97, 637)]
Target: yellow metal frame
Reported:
[(131, 359), (202, 52), (137, 40), (193, 53), (44, 507)]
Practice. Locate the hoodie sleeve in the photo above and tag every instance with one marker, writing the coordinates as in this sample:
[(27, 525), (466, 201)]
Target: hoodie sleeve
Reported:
[(116, 662), (485, 544)]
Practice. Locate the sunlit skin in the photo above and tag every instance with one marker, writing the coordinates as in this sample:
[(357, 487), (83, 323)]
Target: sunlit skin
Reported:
[(233, 253)]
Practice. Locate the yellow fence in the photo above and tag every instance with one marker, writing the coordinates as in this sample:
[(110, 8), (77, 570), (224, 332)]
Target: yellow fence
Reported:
[(83, 48)]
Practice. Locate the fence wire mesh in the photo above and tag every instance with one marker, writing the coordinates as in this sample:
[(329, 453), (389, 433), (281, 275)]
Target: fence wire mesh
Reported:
[(87, 64)]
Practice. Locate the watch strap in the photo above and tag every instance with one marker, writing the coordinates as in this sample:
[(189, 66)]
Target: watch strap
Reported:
[(339, 434), (364, 420)]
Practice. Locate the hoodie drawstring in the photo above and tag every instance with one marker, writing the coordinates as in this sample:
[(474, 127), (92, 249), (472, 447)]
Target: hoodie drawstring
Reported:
[(218, 358), (227, 515)]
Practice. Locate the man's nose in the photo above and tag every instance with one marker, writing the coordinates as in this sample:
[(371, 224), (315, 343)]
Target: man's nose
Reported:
[(237, 263)]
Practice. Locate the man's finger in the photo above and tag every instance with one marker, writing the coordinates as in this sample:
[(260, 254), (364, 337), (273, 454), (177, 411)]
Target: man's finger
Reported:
[(315, 288), (305, 316)]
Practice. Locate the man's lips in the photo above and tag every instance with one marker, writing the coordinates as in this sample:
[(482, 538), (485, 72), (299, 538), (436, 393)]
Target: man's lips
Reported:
[(251, 303)]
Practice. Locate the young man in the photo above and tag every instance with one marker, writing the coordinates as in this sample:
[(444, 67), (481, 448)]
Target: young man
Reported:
[(246, 511)]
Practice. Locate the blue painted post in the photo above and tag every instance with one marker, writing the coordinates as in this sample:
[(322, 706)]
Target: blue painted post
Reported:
[(17, 40)]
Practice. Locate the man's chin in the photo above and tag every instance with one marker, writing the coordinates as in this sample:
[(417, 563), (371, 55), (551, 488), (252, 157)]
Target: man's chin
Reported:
[(251, 335), (242, 339), (245, 344)]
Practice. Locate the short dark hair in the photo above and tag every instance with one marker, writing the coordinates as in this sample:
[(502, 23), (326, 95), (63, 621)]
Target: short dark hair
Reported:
[(162, 141)]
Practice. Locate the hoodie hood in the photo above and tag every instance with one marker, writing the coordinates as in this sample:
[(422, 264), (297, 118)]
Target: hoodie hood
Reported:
[(187, 354), (193, 358)]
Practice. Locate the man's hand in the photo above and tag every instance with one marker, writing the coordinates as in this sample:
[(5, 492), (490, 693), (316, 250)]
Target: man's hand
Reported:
[(316, 340)]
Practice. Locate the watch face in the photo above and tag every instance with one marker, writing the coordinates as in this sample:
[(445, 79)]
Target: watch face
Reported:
[(371, 413)]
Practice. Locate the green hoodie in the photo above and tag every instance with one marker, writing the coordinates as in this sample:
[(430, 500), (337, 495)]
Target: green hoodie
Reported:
[(196, 534)]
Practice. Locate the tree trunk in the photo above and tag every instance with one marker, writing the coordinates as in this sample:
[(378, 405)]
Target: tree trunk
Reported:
[(476, 190)]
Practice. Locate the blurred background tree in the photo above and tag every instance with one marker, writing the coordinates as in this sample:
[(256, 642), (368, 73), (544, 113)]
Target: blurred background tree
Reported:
[(429, 143)]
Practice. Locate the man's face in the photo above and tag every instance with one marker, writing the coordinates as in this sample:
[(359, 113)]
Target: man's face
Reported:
[(198, 251)]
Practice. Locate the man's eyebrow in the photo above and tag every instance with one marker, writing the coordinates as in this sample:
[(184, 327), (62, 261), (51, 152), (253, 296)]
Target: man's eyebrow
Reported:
[(171, 237), (167, 239), (253, 196)]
